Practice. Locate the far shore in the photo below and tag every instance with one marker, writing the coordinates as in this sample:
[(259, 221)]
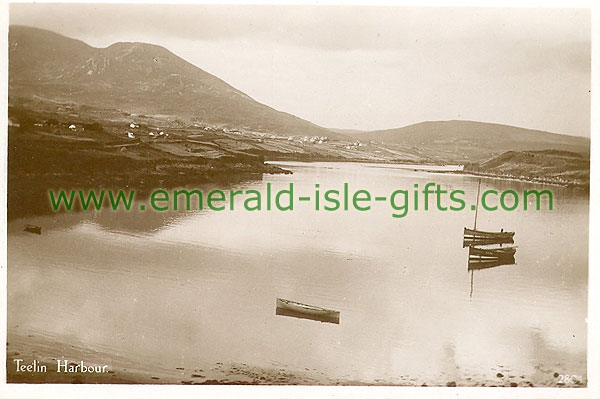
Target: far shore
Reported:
[(517, 179), (461, 172)]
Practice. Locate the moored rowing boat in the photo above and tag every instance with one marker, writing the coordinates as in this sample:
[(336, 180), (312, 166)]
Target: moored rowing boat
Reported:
[(33, 229), (286, 307), (478, 234)]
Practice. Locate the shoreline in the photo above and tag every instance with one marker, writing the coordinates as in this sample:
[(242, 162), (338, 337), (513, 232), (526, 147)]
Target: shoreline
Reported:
[(463, 172), (123, 370), (518, 179), (28, 194)]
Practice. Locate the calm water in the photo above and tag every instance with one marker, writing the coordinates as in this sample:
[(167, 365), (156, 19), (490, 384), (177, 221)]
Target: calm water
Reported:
[(182, 289)]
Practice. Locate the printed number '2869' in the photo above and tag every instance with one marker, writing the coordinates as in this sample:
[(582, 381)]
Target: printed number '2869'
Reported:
[(569, 379)]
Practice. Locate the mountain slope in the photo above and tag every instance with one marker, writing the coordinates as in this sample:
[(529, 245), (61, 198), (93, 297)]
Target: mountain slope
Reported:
[(548, 166), (138, 78), (468, 140)]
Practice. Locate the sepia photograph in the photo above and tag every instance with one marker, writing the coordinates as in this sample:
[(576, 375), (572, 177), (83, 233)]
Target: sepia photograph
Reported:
[(313, 195)]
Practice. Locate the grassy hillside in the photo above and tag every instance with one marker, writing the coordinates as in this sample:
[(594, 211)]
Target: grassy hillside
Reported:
[(467, 141), (554, 166)]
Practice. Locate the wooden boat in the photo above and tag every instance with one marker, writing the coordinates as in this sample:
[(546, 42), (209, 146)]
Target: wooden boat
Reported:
[(488, 234), (33, 229), (472, 237), (478, 234), (285, 307)]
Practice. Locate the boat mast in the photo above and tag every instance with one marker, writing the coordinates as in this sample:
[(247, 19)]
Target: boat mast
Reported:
[(477, 206)]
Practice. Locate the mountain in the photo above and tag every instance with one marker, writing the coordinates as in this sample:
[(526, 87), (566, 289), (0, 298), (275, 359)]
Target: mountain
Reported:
[(473, 141), (137, 78)]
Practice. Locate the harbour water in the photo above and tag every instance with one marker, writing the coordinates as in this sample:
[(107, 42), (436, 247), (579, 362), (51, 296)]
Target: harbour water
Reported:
[(184, 290)]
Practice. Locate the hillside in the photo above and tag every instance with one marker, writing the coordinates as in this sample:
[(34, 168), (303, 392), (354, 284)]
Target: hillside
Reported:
[(553, 166), (137, 78), (461, 141)]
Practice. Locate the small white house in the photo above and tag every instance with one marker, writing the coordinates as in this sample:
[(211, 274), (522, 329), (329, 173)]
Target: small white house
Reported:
[(72, 127), (151, 134), (130, 135)]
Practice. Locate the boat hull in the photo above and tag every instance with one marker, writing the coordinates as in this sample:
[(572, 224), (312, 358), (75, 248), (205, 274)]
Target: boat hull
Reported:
[(33, 229), (477, 237), (285, 307), (488, 234)]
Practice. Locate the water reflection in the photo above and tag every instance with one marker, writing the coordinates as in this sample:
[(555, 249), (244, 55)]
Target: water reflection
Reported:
[(480, 259), (190, 289)]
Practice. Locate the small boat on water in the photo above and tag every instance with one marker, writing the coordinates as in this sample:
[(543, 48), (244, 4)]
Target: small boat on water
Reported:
[(477, 237), (478, 234), (33, 229), (286, 307), (473, 236)]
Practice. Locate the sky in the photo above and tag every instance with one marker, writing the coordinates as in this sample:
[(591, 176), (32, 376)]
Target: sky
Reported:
[(366, 67)]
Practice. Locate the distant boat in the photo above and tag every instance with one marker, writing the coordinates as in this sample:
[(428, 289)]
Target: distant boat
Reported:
[(478, 234), (33, 229), (285, 307), (474, 237), (486, 235)]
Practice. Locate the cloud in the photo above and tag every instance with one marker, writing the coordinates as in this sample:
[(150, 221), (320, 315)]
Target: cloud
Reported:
[(325, 27), (366, 67)]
